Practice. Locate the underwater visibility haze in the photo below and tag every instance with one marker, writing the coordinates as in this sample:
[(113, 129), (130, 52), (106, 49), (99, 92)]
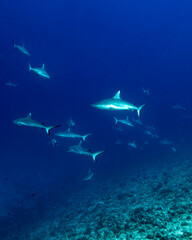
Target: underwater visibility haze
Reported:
[(96, 116)]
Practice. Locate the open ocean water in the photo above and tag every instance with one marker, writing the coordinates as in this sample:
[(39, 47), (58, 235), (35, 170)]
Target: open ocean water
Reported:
[(96, 120)]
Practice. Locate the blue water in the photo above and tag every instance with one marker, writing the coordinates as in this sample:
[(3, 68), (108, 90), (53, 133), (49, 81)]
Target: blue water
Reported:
[(91, 49)]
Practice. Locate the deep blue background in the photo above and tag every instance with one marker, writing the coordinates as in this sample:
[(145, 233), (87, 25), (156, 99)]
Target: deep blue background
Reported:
[(92, 49)]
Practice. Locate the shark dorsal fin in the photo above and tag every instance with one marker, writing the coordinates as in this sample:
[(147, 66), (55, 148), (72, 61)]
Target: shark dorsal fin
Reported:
[(43, 66), (29, 115), (80, 143), (23, 44), (69, 129), (117, 95), (127, 118)]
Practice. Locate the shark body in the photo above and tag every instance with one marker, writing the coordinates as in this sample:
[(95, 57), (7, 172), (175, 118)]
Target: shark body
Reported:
[(22, 49), (79, 149), (29, 122), (40, 71), (69, 134), (124, 121), (116, 103)]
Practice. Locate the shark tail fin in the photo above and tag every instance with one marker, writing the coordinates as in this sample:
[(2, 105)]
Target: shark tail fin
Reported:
[(30, 68), (48, 129), (116, 120), (139, 109), (84, 137), (94, 155)]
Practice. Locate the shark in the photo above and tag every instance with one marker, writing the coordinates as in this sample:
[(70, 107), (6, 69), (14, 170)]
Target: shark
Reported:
[(124, 121), (89, 175), (79, 149), (153, 135), (116, 103), (10, 84), (22, 49), (132, 144), (69, 134), (29, 122), (40, 71), (146, 91)]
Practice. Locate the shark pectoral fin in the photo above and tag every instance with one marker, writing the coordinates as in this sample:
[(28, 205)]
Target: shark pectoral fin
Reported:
[(48, 129), (117, 95), (139, 109), (85, 136)]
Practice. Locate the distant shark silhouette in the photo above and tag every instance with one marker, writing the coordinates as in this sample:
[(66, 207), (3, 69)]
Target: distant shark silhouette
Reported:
[(124, 121), (22, 49), (69, 134)]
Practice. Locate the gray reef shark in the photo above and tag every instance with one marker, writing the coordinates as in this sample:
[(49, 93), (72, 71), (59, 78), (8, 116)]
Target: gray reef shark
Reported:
[(89, 175), (124, 121), (29, 122), (78, 149), (40, 71), (10, 84), (153, 135), (116, 103), (178, 107), (69, 134), (132, 144), (22, 49), (146, 91)]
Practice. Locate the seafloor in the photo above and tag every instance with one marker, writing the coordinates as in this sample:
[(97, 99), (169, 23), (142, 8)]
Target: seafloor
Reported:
[(156, 203)]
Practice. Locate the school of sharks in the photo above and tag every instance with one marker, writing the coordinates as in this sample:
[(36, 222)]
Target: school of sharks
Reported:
[(113, 104)]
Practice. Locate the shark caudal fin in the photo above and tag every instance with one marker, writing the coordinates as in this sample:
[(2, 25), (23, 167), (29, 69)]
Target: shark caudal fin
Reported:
[(94, 155), (116, 120), (48, 129), (30, 68), (139, 109), (84, 137)]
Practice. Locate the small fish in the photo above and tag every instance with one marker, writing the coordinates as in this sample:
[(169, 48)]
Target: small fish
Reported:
[(89, 175), (22, 49), (146, 91), (28, 121), (78, 149), (124, 121), (10, 84), (69, 134), (116, 103), (40, 71)]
